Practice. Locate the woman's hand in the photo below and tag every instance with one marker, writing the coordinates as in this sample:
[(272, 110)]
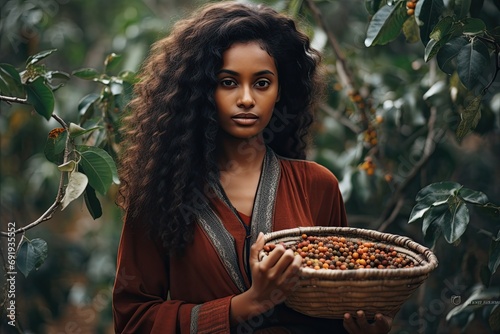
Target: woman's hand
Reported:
[(359, 324), (275, 276), (273, 279)]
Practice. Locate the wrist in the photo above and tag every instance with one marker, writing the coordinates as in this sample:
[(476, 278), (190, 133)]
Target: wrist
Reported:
[(245, 306)]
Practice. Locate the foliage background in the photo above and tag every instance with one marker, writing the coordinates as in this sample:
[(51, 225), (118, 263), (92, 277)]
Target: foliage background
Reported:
[(71, 291)]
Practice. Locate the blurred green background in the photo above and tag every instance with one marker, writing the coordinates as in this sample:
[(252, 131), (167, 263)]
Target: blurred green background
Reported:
[(381, 168)]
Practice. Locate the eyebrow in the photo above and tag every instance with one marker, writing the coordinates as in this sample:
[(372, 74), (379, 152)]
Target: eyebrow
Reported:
[(237, 74)]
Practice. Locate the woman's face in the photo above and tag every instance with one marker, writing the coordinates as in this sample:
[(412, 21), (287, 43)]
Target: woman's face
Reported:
[(247, 90)]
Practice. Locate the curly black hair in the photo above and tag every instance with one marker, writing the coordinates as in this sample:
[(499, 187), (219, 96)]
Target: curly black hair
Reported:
[(169, 137)]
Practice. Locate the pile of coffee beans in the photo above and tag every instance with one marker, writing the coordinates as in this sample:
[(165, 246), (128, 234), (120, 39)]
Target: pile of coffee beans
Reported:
[(333, 252)]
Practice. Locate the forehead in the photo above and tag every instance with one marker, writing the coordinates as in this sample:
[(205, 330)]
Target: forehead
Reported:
[(247, 54)]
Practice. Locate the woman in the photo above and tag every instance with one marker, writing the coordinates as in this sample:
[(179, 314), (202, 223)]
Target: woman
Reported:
[(212, 161)]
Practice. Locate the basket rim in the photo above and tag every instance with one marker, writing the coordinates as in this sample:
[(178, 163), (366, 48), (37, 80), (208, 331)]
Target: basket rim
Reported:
[(428, 264)]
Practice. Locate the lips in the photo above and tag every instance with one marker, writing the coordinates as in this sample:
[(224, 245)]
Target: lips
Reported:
[(245, 118)]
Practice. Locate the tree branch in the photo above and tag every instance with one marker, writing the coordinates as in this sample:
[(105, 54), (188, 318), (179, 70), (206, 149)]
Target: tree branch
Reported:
[(11, 99), (395, 203), (345, 75), (60, 192)]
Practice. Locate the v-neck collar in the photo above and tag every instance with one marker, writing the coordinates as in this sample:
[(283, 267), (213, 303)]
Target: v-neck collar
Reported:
[(261, 220)]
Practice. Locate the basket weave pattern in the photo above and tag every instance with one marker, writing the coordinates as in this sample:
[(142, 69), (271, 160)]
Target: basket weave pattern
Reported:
[(331, 293)]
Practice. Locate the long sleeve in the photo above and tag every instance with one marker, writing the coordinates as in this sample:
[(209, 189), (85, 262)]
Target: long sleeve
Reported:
[(140, 302)]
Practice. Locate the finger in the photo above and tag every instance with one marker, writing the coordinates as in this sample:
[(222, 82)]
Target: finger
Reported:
[(362, 322), (349, 324), (256, 248), (291, 273), (277, 267), (383, 323), (273, 258)]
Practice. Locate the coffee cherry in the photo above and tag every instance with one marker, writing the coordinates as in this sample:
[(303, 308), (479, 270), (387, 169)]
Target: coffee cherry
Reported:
[(340, 253)]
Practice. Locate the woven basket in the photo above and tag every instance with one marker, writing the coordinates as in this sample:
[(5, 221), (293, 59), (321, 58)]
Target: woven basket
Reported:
[(332, 293)]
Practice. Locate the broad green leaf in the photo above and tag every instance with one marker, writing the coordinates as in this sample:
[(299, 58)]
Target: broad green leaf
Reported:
[(469, 117), (442, 28), (461, 8), (455, 221), (386, 24), (40, 97), (473, 26), (476, 7), (92, 202), (473, 196), (428, 13), (57, 75), (438, 190), (472, 60), (75, 130), (39, 56), (81, 131), (68, 166), (418, 211), (448, 52), (31, 255), (411, 31), (10, 81), (431, 49), (86, 107), (86, 74), (76, 186), (99, 167), (54, 147), (431, 224), (494, 256), (470, 305), (497, 3), (111, 61), (129, 76)]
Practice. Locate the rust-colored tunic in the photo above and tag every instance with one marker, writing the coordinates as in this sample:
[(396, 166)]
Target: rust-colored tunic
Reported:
[(155, 293)]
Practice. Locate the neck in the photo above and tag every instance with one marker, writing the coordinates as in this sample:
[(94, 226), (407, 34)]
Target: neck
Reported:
[(236, 155)]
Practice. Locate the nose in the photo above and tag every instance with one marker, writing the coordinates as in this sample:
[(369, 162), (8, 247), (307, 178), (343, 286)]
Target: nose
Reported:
[(246, 99)]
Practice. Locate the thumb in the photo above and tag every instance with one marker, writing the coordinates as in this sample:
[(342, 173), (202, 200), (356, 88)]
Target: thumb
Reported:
[(256, 248)]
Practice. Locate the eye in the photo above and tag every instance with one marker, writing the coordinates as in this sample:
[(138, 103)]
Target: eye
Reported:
[(262, 84), (227, 83)]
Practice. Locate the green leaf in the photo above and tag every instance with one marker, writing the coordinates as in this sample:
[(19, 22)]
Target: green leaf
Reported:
[(10, 81), (39, 56), (494, 256), (129, 76), (77, 183), (469, 117), (54, 147), (99, 167), (418, 211), (386, 24), (431, 224), (92, 202), (473, 26), (40, 97), (455, 221), (473, 196), (77, 132), (485, 276), (438, 190), (86, 107), (461, 8), (494, 318), (442, 28), (472, 60), (428, 13), (111, 61), (31, 255), (448, 52), (86, 74), (68, 166), (431, 49), (411, 31)]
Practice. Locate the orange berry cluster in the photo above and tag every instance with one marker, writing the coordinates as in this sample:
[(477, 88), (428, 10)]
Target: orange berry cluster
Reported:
[(368, 166), (410, 7), (332, 252), (370, 136)]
